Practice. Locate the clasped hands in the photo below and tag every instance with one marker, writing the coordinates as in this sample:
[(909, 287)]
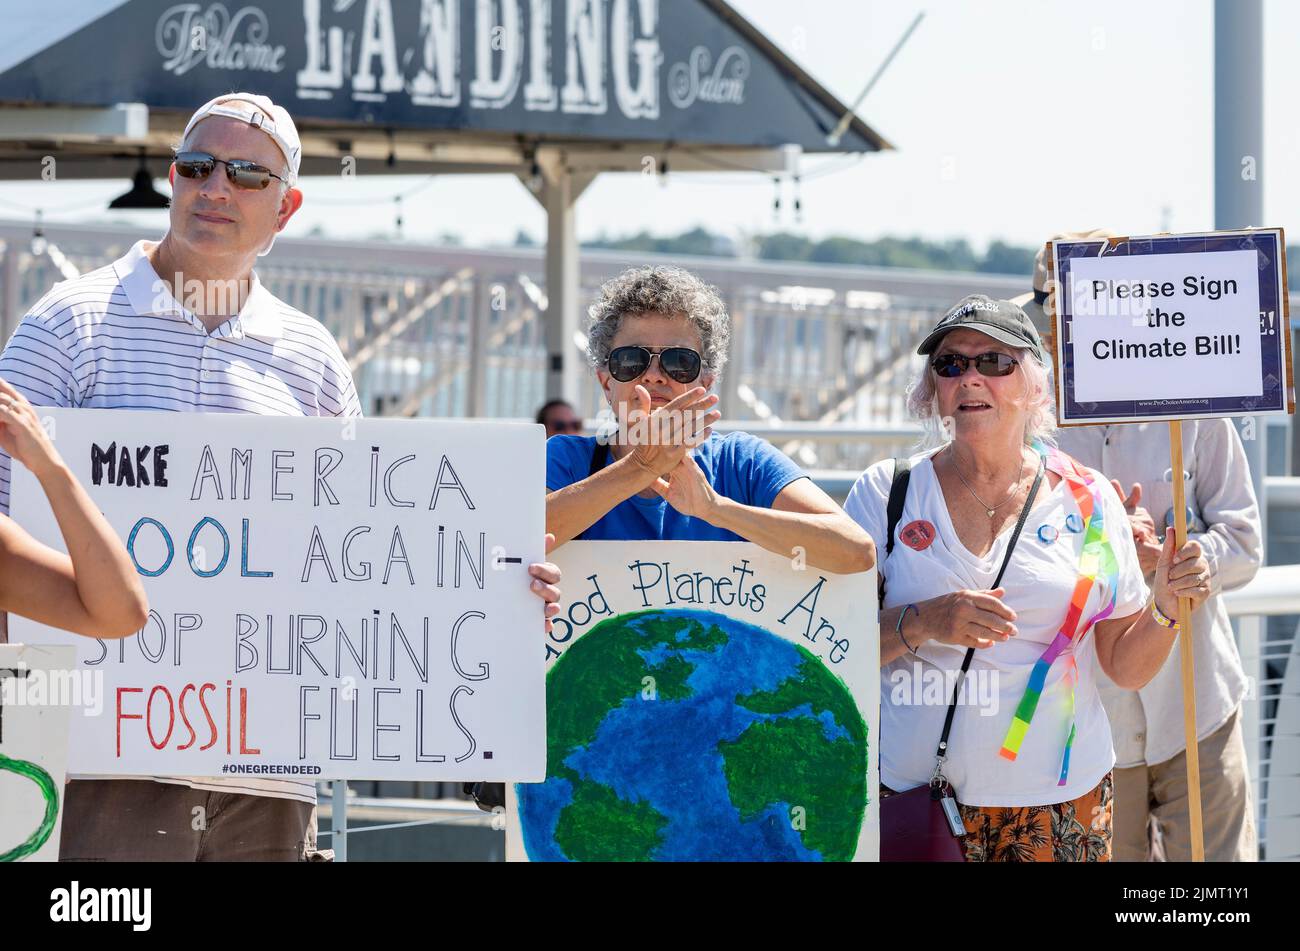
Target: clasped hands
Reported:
[(661, 440)]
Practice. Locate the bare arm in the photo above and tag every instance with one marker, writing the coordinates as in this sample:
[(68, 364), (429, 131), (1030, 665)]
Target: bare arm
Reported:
[(570, 511), (804, 517), (95, 592), (94, 589)]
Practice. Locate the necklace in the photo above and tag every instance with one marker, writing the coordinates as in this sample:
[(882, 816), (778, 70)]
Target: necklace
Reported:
[(991, 509)]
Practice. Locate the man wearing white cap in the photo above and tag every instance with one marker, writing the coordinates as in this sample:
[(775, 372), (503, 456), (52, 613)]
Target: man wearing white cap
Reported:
[(185, 325)]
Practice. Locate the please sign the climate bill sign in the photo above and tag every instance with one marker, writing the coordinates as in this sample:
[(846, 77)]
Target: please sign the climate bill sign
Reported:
[(1172, 327)]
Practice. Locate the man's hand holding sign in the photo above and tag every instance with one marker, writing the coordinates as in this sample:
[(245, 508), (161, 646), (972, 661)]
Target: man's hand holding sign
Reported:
[(1171, 327)]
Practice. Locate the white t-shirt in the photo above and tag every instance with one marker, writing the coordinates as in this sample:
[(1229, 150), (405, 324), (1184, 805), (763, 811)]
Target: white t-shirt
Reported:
[(929, 560)]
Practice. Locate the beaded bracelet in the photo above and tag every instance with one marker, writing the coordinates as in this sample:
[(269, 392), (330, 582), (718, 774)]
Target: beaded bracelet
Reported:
[(1160, 619)]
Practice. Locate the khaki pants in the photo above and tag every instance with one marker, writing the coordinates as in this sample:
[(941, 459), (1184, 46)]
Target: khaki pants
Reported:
[(1151, 816), (123, 820)]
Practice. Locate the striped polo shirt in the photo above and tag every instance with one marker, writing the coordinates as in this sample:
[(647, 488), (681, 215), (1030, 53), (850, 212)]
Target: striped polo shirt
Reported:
[(117, 338)]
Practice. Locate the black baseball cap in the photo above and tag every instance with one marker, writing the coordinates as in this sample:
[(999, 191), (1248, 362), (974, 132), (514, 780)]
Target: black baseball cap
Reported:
[(1000, 319)]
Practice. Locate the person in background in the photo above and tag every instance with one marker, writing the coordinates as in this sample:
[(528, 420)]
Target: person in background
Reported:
[(1151, 818), (558, 416), (658, 340), (94, 589)]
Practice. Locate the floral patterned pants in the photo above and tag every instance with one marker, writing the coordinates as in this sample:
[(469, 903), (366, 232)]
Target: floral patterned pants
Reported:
[(1074, 831)]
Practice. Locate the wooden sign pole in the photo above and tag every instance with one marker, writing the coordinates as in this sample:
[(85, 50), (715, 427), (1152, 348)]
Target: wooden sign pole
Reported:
[(1185, 648)]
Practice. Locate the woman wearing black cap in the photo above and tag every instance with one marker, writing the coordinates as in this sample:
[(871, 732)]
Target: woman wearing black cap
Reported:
[(1014, 563)]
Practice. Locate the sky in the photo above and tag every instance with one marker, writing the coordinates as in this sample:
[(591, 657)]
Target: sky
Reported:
[(1013, 119)]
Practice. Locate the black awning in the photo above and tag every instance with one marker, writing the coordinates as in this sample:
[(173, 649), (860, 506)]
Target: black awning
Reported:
[(681, 71)]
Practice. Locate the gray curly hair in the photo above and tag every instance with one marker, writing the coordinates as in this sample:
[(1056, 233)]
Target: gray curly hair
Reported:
[(660, 290)]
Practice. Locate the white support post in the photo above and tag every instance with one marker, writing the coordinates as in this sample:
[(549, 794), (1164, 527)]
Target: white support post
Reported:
[(482, 300), (339, 820), (562, 282), (1239, 160), (559, 191)]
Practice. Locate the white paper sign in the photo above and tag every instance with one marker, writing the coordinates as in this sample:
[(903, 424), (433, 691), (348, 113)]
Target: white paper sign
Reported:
[(1172, 327), (1186, 325), (38, 689), (706, 701), (329, 598)]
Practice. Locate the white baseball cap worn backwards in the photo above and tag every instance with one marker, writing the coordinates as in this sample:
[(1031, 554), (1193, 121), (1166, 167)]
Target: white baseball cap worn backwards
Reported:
[(261, 113)]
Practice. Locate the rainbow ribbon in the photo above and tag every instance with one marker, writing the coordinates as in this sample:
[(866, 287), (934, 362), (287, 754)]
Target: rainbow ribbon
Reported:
[(1096, 558)]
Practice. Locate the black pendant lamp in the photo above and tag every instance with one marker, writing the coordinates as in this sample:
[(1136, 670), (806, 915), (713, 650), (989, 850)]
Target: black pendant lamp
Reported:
[(142, 193)]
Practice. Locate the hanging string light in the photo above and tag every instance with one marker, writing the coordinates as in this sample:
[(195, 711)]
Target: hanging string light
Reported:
[(39, 244)]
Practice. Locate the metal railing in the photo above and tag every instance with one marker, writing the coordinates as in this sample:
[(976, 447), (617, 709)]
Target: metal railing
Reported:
[(1270, 719), (445, 331)]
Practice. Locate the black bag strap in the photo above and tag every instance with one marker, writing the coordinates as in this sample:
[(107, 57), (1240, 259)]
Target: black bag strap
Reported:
[(897, 499), (599, 456), (894, 513), (599, 459), (970, 651)]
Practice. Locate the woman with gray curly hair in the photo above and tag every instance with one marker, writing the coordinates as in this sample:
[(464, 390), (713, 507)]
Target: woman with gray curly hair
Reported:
[(658, 340), (1030, 765)]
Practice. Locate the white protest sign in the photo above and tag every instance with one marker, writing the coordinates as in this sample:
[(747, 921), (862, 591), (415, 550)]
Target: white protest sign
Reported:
[(705, 701), (37, 691), (1171, 327), (328, 598)]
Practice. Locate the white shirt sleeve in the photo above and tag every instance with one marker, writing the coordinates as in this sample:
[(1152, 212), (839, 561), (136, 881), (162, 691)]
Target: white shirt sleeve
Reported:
[(1225, 500), (1132, 593), (867, 501)]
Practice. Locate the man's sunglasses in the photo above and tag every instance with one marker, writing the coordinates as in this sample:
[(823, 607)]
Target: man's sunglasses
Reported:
[(953, 365), (679, 363), (248, 175), (567, 426)]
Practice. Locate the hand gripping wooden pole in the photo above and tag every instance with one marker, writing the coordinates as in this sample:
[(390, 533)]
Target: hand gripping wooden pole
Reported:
[(1185, 649)]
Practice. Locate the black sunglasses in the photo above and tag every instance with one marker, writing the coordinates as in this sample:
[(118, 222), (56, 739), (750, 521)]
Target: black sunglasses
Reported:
[(567, 426), (953, 365), (248, 175), (680, 363)]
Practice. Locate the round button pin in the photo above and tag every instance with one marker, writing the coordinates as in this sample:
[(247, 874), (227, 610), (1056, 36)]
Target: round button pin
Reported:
[(917, 535)]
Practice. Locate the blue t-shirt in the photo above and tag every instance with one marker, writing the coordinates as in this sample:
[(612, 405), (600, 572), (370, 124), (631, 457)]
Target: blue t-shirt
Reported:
[(742, 467)]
